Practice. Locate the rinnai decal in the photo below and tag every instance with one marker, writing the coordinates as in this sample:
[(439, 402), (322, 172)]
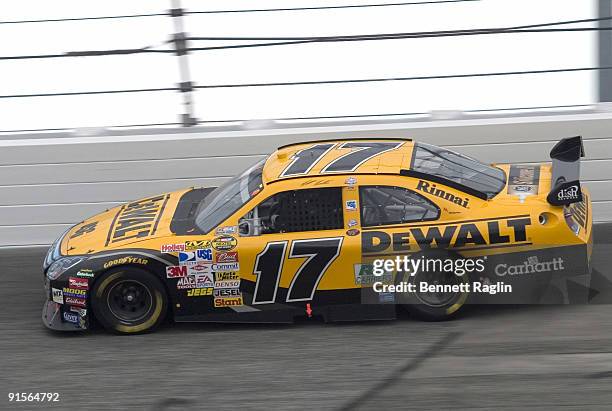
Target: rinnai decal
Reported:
[(176, 271), (80, 283), (226, 257), (173, 248), (511, 231), (530, 266), (138, 219), (432, 189)]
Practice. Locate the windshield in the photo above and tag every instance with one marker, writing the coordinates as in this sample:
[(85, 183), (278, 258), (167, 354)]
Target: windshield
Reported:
[(456, 167), (228, 198)]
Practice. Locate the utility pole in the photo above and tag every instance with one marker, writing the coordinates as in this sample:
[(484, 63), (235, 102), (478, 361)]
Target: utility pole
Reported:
[(605, 52), (181, 49)]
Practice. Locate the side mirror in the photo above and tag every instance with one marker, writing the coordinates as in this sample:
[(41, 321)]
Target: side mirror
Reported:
[(250, 227)]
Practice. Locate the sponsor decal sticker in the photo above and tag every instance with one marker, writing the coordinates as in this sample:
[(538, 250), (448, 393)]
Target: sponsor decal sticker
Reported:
[(186, 283), (200, 292), (204, 281), (224, 243), (228, 302), (351, 181), (226, 230), (351, 205), (227, 284), (58, 295), (523, 179), (74, 292), (199, 269), (81, 311), (431, 188), (195, 257), (227, 292), (80, 283), (531, 265), (137, 219), (226, 257), (196, 245), (225, 267), (352, 232), (71, 318), (173, 248), (176, 271), (126, 260), (352, 222), (85, 273), (223, 276), (81, 302)]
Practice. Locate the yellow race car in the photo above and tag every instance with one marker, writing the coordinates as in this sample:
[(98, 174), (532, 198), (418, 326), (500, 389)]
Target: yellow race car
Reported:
[(308, 231)]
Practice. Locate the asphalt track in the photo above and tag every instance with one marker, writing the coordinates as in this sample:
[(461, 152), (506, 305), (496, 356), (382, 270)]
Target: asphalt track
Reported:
[(494, 357)]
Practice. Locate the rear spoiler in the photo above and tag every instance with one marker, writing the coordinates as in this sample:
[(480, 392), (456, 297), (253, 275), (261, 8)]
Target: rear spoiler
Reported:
[(565, 183)]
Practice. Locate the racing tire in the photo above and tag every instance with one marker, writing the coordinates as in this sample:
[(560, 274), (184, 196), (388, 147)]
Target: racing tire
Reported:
[(129, 300), (433, 306)]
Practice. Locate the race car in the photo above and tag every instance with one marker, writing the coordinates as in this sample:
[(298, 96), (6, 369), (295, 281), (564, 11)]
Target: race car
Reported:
[(297, 234)]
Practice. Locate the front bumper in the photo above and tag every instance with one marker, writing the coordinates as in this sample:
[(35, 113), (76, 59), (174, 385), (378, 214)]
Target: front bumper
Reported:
[(53, 317)]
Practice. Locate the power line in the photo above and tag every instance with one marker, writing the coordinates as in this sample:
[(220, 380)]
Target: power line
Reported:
[(128, 16), (384, 79), (319, 82), (302, 40)]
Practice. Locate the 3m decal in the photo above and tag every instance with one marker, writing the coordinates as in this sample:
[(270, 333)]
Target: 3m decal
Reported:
[(195, 245), (455, 235), (224, 243), (138, 219), (200, 292), (304, 160), (431, 188), (85, 229), (362, 152), (320, 255), (176, 271)]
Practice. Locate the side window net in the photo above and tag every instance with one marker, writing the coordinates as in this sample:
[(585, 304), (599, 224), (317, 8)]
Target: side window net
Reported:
[(387, 205), (301, 210)]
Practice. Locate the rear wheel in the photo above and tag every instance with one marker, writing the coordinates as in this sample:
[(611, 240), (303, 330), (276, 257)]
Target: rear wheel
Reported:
[(129, 300), (434, 305)]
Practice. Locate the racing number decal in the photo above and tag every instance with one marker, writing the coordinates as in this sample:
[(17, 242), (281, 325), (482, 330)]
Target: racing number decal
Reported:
[(364, 151), (303, 161), (268, 268), (321, 254)]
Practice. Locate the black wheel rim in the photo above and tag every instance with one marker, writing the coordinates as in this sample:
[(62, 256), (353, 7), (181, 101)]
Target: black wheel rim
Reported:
[(129, 301), (437, 299)]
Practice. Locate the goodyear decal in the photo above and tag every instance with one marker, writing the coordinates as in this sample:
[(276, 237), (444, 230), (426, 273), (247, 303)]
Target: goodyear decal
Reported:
[(138, 219), (126, 260), (491, 232)]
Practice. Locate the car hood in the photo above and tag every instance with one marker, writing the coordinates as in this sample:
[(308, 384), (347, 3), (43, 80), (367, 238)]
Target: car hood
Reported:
[(157, 216)]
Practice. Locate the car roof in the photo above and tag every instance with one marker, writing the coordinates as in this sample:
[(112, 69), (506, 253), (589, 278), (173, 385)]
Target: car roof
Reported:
[(387, 162)]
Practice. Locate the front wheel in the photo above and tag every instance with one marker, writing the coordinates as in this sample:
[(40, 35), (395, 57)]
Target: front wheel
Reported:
[(129, 300)]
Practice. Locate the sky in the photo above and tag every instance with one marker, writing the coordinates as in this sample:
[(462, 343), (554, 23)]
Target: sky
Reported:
[(342, 60)]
